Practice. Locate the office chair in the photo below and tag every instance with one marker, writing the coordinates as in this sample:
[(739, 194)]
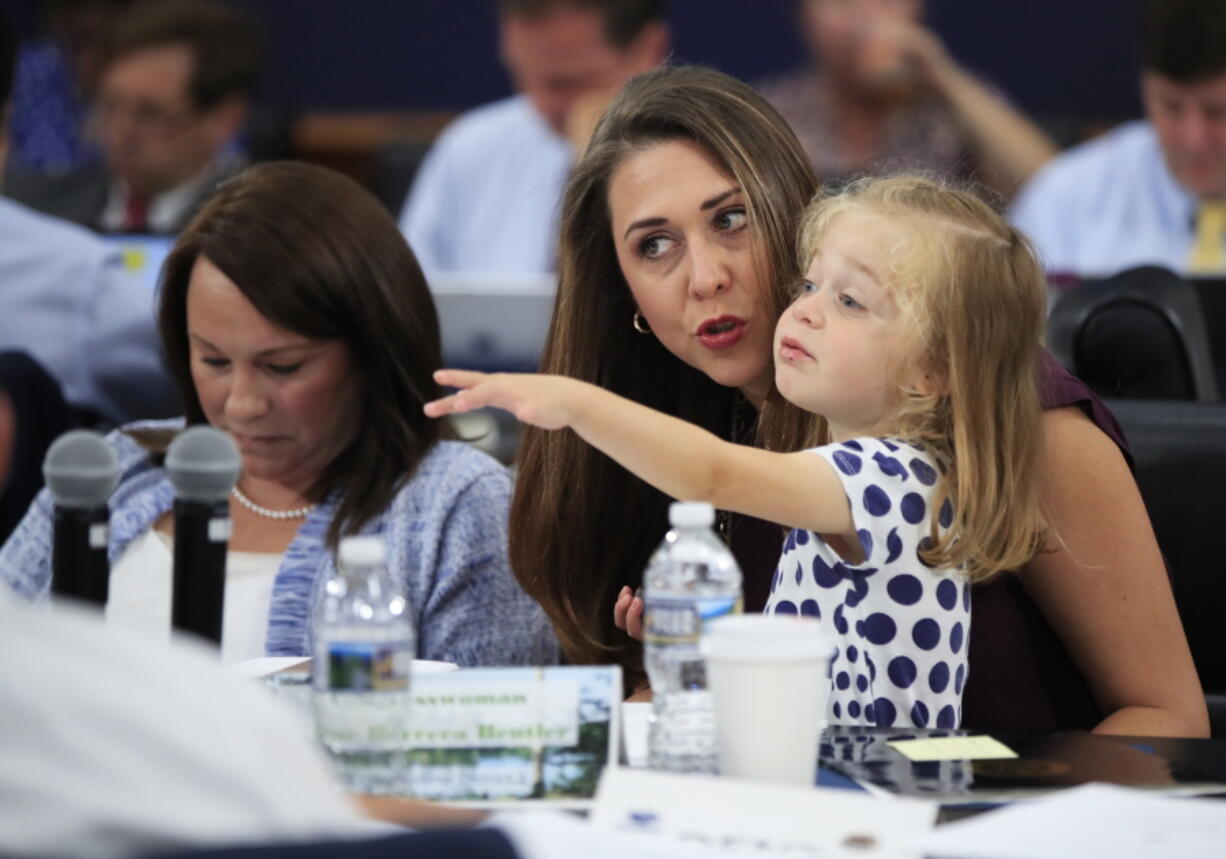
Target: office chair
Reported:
[(396, 166), (1180, 454), (1139, 334)]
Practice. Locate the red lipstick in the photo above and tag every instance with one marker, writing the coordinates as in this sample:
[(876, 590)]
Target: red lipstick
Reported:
[(721, 332)]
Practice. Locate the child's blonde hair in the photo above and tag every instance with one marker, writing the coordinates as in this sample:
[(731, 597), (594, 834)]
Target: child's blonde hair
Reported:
[(972, 291)]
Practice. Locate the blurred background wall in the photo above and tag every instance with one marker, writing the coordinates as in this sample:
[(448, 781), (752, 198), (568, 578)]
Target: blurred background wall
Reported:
[(1066, 62)]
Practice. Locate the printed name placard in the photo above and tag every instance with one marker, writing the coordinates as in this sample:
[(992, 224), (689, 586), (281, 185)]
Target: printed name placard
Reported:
[(484, 735), (483, 709), (480, 736), (756, 817)]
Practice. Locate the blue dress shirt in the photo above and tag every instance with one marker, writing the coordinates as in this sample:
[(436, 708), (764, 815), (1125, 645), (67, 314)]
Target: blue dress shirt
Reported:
[(66, 300), (1107, 205), (487, 195)]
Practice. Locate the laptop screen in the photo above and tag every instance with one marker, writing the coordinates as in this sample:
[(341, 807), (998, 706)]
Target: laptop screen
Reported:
[(142, 255), (493, 322)]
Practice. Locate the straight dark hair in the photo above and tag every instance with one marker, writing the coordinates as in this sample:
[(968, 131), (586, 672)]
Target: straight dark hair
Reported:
[(581, 525), (8, 62), (1184, 40), (623, 19), (318, 255), (224, 41)]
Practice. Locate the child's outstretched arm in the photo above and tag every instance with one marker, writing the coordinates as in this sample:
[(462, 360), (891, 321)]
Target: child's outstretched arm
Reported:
[(798, 490)]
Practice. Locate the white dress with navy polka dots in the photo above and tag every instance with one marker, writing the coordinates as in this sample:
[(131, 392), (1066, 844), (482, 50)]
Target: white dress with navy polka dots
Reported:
[(901, 626)]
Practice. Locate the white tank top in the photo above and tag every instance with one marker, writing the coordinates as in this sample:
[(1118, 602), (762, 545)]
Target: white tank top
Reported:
[(140, 587)]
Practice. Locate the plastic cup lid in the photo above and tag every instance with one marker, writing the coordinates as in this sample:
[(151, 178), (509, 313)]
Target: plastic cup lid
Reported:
[(766, 638)]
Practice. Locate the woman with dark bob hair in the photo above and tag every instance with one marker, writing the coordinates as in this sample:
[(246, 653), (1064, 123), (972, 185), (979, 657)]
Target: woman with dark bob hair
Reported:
[(295, 317), (676, 258)]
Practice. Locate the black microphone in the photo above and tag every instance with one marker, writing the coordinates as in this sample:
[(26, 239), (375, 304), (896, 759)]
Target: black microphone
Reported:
[(81, 471), (203, 465)]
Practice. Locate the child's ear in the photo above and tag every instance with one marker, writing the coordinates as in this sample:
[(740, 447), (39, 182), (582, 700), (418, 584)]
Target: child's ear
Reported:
[(931, 384)]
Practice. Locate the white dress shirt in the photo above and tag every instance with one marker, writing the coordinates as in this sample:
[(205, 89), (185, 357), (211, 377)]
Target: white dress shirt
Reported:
[(169, 210), (1108, 205), (487, 195), (66, 300), (113, 747)]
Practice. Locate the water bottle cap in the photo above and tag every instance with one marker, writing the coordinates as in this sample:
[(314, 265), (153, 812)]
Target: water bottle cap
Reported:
[(362, 551), (691, 514)]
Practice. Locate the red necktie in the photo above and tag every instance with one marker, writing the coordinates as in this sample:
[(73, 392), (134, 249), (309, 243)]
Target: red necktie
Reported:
[(136, 214)]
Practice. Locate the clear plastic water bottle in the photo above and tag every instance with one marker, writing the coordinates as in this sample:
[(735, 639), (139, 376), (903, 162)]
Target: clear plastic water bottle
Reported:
[(691, 578), (363, 653)]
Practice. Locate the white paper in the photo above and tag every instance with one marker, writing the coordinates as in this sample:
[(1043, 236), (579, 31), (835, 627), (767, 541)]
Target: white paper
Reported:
[(1096, 820), (263, 666), (635, 718), (756, 817)]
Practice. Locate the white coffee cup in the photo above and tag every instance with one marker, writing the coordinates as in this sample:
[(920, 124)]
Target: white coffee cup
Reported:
[(769, 682)]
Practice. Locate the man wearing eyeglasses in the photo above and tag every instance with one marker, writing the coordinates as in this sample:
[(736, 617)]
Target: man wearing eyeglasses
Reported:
[(172, 96)]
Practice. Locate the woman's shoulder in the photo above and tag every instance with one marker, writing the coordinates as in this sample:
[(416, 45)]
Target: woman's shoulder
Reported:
[(449, 469)]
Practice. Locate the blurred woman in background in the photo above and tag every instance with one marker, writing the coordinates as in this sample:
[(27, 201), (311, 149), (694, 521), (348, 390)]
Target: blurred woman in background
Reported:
[(884, 94)]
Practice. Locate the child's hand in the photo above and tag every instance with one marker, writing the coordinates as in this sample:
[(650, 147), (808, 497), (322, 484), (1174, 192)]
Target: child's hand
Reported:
[(628, 613), (543, 401)]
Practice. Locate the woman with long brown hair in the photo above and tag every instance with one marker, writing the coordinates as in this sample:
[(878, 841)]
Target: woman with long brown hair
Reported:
[(582, 527), (676, 256)]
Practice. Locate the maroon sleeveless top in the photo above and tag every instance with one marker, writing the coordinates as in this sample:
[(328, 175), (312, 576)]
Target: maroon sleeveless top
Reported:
[(1021, 677)]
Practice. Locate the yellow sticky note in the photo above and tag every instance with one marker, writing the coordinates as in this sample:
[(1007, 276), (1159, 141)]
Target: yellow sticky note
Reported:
[(953, 749)]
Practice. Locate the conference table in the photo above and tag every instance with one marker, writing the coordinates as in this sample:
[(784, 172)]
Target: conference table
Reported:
[(861, 762)]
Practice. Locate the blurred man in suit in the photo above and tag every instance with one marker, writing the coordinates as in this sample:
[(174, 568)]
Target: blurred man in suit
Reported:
[(172, 95), (487, 195)]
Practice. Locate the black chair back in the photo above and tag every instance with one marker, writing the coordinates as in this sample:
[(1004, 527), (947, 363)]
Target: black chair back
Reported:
[(1180, 454), (39, 415), (396, 165), (1137, 335)]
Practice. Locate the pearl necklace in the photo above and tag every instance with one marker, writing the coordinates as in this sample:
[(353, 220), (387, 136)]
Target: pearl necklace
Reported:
[(295, 513)]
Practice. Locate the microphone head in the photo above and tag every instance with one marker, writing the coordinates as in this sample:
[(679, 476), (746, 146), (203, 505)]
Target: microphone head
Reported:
[(81, 469), (203, 464)]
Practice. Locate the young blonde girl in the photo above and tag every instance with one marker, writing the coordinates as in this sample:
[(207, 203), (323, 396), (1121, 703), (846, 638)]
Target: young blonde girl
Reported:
[(913, 338)]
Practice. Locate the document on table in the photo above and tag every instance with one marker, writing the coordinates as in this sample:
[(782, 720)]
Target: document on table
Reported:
[(1090, 821), (759, 818)]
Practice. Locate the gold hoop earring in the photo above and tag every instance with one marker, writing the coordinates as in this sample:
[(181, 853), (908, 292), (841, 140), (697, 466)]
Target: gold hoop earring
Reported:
[(640, 324)]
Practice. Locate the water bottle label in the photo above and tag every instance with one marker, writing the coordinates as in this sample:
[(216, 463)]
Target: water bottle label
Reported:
[(368, 667), (679, 621)]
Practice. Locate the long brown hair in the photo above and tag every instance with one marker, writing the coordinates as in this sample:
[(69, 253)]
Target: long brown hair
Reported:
[(974, 296), (317, 255), (582, 526)]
